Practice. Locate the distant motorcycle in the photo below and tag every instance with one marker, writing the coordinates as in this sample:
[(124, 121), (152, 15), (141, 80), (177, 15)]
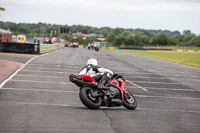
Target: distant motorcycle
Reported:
[(96, 49), (93, 98)]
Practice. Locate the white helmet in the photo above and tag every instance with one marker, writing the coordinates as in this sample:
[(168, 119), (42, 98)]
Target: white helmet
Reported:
[(92, 61)]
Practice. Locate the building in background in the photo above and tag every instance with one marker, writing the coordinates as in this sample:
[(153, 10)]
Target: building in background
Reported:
[(5, 35)]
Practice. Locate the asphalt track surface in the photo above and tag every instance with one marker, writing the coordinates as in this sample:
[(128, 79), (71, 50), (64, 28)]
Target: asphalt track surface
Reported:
[(39, 97)]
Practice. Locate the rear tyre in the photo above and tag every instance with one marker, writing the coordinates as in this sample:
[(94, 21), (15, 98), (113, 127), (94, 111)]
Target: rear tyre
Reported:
[(87, 98), (129, 101)]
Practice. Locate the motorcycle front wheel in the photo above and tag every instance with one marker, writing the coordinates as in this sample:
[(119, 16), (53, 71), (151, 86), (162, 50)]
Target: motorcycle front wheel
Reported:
[(129, 101), (87, 98)]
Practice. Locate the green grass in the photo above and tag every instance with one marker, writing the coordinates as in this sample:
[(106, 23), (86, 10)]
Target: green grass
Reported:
[(186, 58), (174, 47)]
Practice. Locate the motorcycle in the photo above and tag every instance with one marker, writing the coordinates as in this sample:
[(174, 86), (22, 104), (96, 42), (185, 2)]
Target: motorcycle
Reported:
[(96, 49), (93, 98)]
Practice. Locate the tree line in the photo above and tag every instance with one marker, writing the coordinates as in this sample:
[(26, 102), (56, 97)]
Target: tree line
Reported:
[(114, 36)]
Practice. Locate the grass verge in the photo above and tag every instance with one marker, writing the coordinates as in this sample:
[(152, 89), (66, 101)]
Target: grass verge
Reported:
[(186, 58)]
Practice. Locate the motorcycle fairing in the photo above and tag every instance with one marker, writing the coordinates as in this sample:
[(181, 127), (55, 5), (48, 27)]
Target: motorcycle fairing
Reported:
[(86, 77), (120, 85)]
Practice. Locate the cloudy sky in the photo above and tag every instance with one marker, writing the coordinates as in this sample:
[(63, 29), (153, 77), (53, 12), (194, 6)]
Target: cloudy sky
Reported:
[(145, 14)]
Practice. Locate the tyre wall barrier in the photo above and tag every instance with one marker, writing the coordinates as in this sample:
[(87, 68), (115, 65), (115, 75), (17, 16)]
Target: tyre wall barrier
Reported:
[(29, 48), (19, 47)]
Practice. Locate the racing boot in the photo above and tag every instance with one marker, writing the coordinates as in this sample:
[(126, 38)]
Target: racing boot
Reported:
[(102, 83)]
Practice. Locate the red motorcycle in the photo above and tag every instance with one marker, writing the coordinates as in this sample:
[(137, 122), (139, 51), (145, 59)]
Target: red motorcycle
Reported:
[(93, 98)]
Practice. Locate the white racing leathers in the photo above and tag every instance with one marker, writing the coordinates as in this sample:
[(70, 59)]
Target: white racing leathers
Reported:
[(96, 72)]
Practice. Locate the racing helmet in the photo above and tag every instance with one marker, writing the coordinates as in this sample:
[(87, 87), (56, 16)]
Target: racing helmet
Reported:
[(92, 61)]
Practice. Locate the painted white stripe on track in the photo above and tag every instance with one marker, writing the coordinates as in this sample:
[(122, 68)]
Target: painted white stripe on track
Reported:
[(144, 77), (50, 61), (181, 111), (60, 91), (149, 96), (43, 90), (173, 89), (72, 68), (195, 76), (121, 107), (52, 65), (168, 89), (48, 104), (21, 75), (5, 81), (45, 71), (40, 81), (149, 82), (9, 78)]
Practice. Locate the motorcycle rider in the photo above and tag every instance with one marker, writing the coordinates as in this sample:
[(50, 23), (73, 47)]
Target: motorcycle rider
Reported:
[(99, 74)]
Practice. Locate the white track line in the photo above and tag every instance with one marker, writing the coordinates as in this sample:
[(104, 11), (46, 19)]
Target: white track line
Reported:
[(40, 81), (42, 90), (48, 104), (5, 81), (149, 82), (172, 89), (150, 96), (181, 111), (21, 75), (60, 91), (67, 105), (63, 69), (45, 71), (168, 89), (142, 77), (11, 76)]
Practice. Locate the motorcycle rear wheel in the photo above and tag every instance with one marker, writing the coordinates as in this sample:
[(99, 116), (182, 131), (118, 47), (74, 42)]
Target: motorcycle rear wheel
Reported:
[(88, 100), (129, 101)]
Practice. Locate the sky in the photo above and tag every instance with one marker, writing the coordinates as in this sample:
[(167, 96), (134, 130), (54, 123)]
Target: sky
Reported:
[(144, 14)]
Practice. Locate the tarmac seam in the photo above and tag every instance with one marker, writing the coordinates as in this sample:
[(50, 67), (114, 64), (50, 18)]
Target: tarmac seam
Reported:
[(110, 123)]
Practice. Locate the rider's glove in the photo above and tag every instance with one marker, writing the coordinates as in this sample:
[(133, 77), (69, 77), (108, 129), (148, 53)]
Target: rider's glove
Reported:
[(115, 74)]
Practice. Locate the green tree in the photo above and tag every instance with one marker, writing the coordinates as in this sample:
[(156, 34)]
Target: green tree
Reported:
[(196, 41), (186, 32), (130, 41), (187, 38), (138, 41), (24, 30), (173, 41), (110, 38), (161, 40), (120, 39)]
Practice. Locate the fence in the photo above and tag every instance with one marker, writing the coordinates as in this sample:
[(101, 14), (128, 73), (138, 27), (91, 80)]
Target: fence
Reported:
[(47, 48)]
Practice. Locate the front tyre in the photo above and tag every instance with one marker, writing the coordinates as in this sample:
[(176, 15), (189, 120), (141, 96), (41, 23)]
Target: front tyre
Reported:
[(88, 99), (129, 100)]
